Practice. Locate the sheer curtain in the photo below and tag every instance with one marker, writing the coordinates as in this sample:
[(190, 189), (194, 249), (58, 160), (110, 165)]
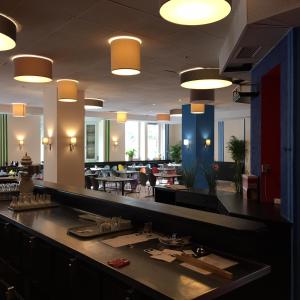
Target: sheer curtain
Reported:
[(3, 139)]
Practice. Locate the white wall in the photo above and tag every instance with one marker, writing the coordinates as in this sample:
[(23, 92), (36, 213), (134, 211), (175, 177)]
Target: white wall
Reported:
[(175, 134), (236, 123), (29, 128)]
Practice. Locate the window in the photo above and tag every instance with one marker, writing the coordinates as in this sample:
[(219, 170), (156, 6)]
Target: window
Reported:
[(148, 139), (152, 141), (132, 137), (94, 129)]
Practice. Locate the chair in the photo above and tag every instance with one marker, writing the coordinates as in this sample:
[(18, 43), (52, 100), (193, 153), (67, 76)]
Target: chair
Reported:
[(152, 181), (121, 167), (143, 181), (155, 170), (88, 182), (95, 183)]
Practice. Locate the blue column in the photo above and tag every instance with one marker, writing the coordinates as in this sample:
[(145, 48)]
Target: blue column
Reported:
[(196, 128)]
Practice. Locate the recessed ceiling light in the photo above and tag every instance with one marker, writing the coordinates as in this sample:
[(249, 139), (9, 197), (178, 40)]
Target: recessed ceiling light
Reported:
[(203, 79), (8, 33), (176, 112), (32, 68), (194, 12), (93, 104), (125, 55), (67, 90)]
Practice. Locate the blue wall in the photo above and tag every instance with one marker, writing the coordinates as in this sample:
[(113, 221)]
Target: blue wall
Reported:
[(197, 128), (281, 55)]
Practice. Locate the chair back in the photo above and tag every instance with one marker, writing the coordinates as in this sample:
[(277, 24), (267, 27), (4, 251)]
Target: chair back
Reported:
[(152, 180), (143, 179), (121, 167), (155, 170), (95, 183), (88, 182)]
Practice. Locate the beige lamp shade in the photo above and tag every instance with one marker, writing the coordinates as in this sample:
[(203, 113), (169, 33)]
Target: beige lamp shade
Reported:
[(93, 104), (33, 68), (203, 79), (67, 90), (8, 33), (176, 112), (121, 117), (202, 96), (197, 108), (194, 12), (162, 117), (19, 110), (125, 55)]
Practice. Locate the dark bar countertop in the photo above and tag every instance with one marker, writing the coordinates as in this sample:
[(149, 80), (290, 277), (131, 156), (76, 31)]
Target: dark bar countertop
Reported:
[(157, 279)]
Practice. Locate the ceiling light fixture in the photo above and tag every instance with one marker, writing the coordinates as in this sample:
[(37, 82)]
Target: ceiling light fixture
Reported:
[(121, 117), (93, 104), (197, 108), (67, 90), (176, 112), (32, 68), (202, 96), (203, 79), (194, 12), (8, 33), (19, 110), (162, 117), (125, 55)]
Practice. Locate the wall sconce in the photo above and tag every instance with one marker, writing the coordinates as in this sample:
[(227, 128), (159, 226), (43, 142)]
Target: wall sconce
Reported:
[(115, 142), (21, 144), (73, 141), (187, 143), (207, 143), (47, 142)]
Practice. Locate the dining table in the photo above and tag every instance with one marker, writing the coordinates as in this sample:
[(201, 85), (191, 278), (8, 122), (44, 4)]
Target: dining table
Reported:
[(113, 179), (127, 173), (167, 176)]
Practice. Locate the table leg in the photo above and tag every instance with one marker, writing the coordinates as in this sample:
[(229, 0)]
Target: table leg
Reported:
[(123, 187), (104, 186)]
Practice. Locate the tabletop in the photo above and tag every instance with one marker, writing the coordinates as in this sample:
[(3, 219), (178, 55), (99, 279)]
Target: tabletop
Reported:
[(114, 179), (167, 175)]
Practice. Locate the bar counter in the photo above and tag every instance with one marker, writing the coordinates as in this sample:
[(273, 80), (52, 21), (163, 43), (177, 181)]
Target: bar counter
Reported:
[(150, 279)]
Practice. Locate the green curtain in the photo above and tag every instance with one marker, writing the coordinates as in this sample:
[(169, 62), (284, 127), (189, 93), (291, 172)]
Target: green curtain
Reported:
[(107, 139), (3, 139)]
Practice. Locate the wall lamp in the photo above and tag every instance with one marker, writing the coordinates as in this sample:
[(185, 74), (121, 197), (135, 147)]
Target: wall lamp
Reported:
[(207, 143), (21, 144), (73, 142), (115, 142), (187, 143), (47, 142)]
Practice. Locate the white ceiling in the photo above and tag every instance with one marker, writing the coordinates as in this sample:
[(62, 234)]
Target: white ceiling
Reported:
[(75, 32)]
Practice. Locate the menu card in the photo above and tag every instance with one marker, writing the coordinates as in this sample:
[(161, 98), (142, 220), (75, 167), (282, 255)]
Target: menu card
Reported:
[(213, 259)]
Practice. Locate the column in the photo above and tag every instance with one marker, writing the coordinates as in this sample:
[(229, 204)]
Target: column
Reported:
[(61, 122)]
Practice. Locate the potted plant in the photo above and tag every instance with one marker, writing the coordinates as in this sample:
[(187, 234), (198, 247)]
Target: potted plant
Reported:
[(131, 154), (189, 176), (237, 149), (211, 176), (175, 153)]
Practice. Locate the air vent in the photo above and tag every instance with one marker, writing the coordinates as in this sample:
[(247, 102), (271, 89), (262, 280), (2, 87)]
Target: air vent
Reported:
[(248, 52), (238, 68)]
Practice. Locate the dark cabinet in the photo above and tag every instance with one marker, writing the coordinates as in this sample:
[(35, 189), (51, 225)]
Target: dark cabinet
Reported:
[(116, 290), (33, 269)]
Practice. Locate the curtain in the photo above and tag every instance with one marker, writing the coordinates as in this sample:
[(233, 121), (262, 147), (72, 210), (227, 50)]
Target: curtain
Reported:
[(107, 139), (3, 139)]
